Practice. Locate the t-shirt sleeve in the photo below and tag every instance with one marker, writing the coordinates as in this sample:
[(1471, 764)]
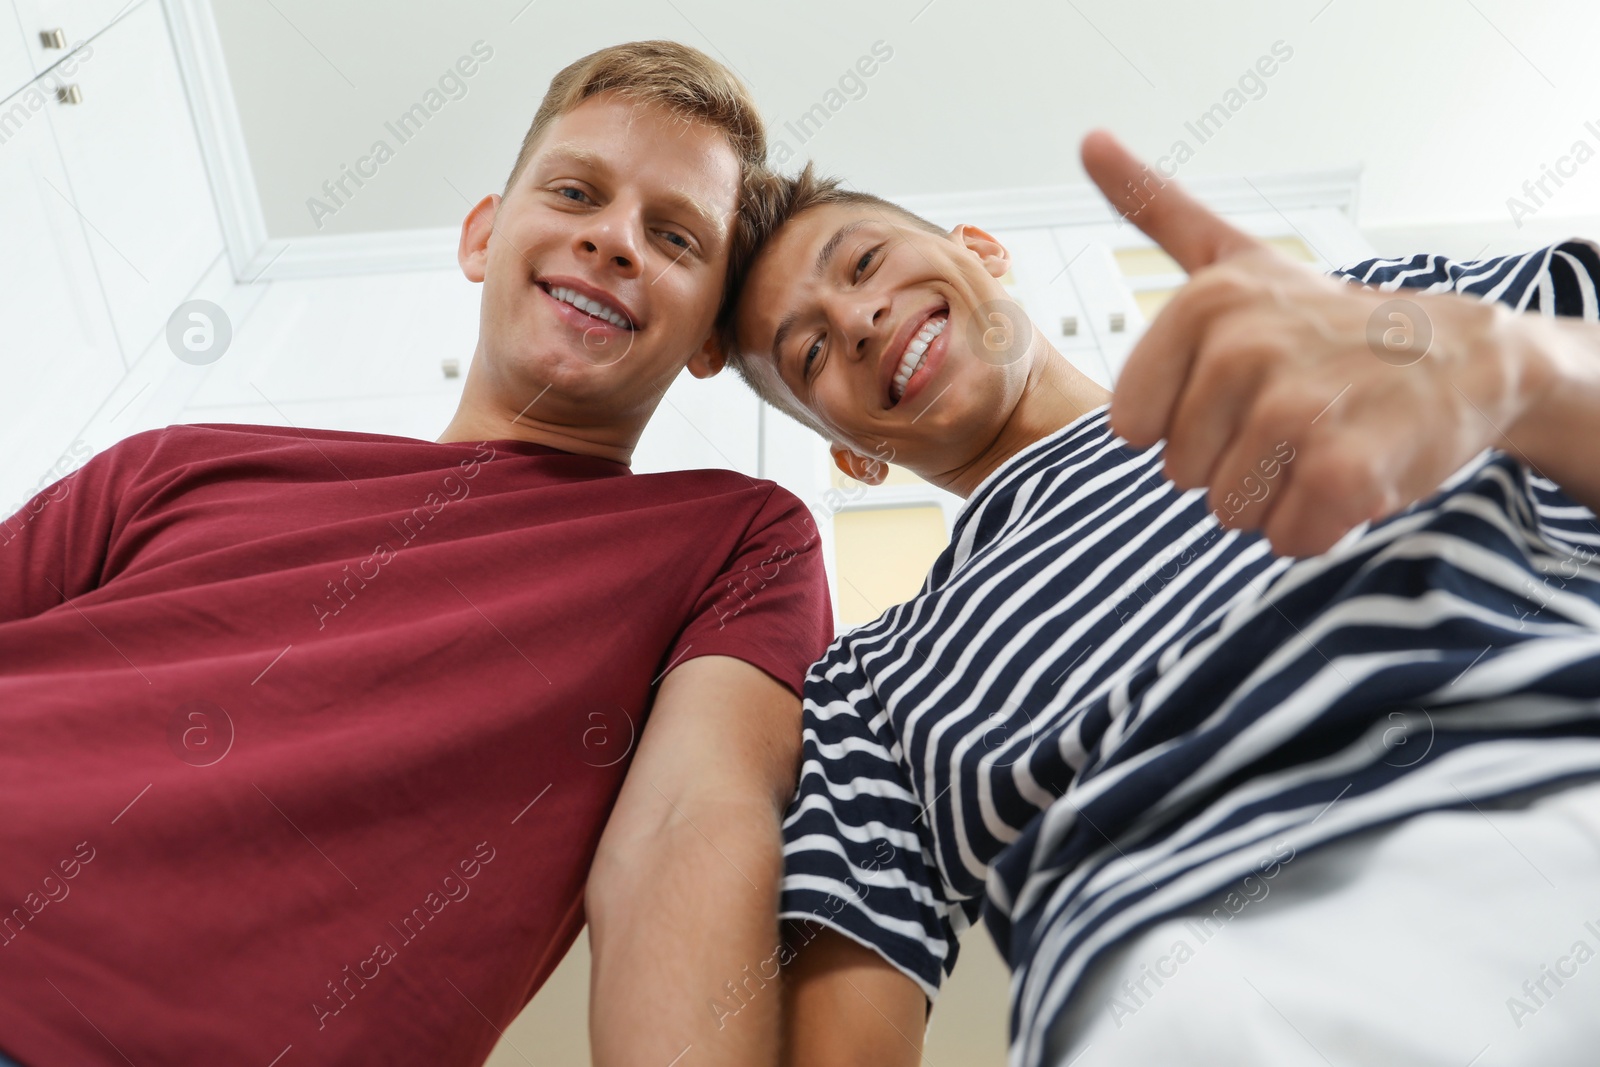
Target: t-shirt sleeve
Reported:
[(855, 850), (1559, 279), (55, 547), (769, 606)]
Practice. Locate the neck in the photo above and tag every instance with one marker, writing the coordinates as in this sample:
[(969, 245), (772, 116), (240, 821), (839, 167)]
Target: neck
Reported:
[(1055, 395), (492, 410)]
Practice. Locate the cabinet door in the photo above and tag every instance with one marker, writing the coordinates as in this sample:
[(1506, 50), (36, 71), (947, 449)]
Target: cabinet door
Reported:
[(76, 20), (16, 66), (137, 176), (702, 423), (57, 353), (1041, 281)]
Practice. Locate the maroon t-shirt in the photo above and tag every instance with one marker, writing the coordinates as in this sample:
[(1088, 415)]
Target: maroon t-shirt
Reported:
[(307, 737)]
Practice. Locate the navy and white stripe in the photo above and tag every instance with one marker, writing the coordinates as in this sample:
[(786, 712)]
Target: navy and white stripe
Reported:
[(1102, 705)]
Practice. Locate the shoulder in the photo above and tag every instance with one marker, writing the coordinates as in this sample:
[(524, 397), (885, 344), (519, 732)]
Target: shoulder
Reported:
[(1560, 278), (717, 481), (763, 503)]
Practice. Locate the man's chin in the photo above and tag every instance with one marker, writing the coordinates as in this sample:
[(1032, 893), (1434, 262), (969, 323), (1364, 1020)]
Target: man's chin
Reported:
[(581, 378), (573, 366)]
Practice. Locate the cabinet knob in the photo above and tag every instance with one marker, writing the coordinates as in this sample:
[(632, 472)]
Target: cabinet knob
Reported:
[(70, 94), (1069, 326), (1119, 322), (53, 38), (451, 367)]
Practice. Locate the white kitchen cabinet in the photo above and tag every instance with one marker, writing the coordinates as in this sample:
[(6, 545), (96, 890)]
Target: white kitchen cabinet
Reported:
[(58, 354), (16, 65), (1122, 279), (711, 422), (136, 175), (51, 28), (364, 335), (1042, 282)]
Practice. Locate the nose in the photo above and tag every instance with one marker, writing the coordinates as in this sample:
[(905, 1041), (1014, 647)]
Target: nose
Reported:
[(610, 240), (862, 318)]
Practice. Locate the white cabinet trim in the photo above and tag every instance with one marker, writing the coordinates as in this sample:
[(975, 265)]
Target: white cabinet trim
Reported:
[(1082, 204), (216, 119)]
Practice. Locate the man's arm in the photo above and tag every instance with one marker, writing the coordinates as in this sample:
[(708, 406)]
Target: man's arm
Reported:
[(683, 895), (1559, 435), (1380, 395), (845, 1006)]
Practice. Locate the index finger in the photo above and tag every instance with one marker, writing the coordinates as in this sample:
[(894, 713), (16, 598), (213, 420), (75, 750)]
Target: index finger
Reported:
[(1185, 228)]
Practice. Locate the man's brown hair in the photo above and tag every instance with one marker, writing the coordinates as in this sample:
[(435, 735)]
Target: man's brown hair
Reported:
[(770, 201)]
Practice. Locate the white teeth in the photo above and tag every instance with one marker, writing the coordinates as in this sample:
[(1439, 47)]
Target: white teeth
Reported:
[(591, 307), (911, 359)]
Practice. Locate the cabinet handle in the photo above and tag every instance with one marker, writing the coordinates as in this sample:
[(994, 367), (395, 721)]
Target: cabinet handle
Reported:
[(53, 38), (1069, 326), (1119, 322), (451, 367), (70, 94)]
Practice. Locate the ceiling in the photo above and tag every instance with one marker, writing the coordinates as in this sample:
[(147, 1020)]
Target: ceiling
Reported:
[(1450, 105)]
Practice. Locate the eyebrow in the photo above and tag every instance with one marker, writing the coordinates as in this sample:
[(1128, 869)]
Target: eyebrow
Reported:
[(827, 251), (676, 196), (824, 254), (681, 199)]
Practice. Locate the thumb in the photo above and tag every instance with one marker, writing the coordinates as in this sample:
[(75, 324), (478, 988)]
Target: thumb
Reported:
[(1186, 229)]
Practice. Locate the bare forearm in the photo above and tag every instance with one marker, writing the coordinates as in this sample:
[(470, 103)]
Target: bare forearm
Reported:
[(845, 1007), (1559, 435), (684, 943)]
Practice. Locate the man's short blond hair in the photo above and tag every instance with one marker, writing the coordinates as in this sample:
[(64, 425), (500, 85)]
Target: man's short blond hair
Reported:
[(681, 79)]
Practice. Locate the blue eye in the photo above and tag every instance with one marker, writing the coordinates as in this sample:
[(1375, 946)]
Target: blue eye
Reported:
[(581, 195), (675, 238), (865, 261), (811, 355)]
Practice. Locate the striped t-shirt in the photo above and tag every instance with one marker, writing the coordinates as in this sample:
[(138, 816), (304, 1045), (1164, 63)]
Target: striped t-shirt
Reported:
[(1103, 706)]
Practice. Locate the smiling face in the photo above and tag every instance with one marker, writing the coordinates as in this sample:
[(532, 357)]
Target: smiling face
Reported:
[(603, 268), (900, 342)]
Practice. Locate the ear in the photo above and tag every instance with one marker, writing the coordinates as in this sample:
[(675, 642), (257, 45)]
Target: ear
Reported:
[(990, 252), (473, 251), (710, 358), (857, 466)]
